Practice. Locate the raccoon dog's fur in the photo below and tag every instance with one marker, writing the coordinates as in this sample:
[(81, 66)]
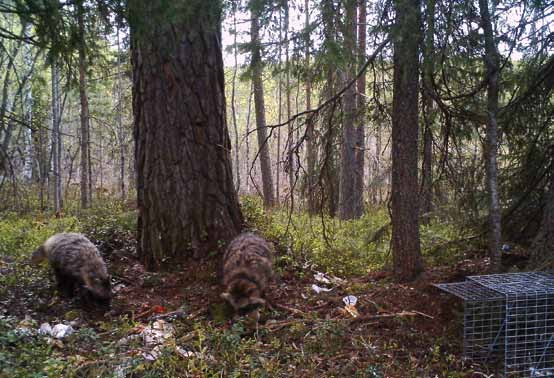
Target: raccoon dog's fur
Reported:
[(77, 265), (247, 270)]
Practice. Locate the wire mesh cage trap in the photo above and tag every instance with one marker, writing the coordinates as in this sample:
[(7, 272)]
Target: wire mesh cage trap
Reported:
[(509, 318)]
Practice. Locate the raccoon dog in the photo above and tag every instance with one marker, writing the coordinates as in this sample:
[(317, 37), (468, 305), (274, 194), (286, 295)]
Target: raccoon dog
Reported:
[(246, 272), (77, 264)]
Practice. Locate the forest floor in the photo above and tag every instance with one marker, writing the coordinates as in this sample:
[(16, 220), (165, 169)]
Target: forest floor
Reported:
[(401, 330)]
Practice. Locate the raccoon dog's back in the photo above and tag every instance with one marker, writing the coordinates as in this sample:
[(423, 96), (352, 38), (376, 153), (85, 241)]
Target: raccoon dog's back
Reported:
[(69, 251), (247, 270)]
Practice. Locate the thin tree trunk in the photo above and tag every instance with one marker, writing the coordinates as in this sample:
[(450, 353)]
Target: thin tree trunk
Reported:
[(361, 107), (405, 192), (85, 169), (290, 126), (90, 182), (491, 61), (233, 95), (429, 116), (330, 175), (311, 145), (247, 141), (56, 137), (279, 113), (187, 204), (121, 130), (28, 108), (377, 180), (350, 199), (259, 104)]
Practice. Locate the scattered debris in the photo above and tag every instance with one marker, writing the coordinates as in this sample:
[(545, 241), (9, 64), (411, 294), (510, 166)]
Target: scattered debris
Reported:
[(25, 327), (118, 288), (59, 331), (350, 306), (185, 353), (320, 277), (350, 300), (45, 329), (154, 338), (170, 316), (154, 354), (319, 289), (327, 279)]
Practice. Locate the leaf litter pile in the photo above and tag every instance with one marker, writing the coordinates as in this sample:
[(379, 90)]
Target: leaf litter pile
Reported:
[(174, 324)]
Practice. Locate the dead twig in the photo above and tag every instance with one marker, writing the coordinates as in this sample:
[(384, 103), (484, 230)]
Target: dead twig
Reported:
[(401, 314), (273, 306), (275, 326), (143, 314)]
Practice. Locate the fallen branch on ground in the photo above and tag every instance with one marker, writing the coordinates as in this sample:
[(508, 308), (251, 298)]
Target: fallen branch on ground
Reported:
[(273, 305), (274, 326)]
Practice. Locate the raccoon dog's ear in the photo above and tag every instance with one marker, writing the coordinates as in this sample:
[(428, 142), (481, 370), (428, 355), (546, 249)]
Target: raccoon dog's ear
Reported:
[(86, 278)]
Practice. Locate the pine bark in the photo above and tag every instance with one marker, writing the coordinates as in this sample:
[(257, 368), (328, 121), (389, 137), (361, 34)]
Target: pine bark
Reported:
[(85, 119), (405, 191), (187, 202), (259, 105), (491, 61), (349, 198)]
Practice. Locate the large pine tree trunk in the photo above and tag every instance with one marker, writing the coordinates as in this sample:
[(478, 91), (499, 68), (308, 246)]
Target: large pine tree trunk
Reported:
[(491, 141), (350, 198), (405, 192), (186, 199), (259, 105), (85, 148)]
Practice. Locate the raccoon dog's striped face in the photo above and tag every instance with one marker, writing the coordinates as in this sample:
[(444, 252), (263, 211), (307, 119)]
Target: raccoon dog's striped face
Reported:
[(98, 285), (244, 297)]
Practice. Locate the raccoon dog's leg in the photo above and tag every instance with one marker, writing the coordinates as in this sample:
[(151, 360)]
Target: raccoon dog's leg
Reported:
[(66, 284)]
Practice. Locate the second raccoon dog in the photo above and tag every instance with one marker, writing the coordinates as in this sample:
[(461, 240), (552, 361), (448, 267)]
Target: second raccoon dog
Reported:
[(77, 264), (247, 270)]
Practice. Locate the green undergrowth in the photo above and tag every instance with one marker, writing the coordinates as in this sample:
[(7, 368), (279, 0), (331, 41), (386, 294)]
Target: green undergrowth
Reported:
[(106, 223), (347, 248)]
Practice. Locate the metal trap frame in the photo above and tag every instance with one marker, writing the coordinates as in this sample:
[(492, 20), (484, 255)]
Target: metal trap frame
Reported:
[(509, 318)]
